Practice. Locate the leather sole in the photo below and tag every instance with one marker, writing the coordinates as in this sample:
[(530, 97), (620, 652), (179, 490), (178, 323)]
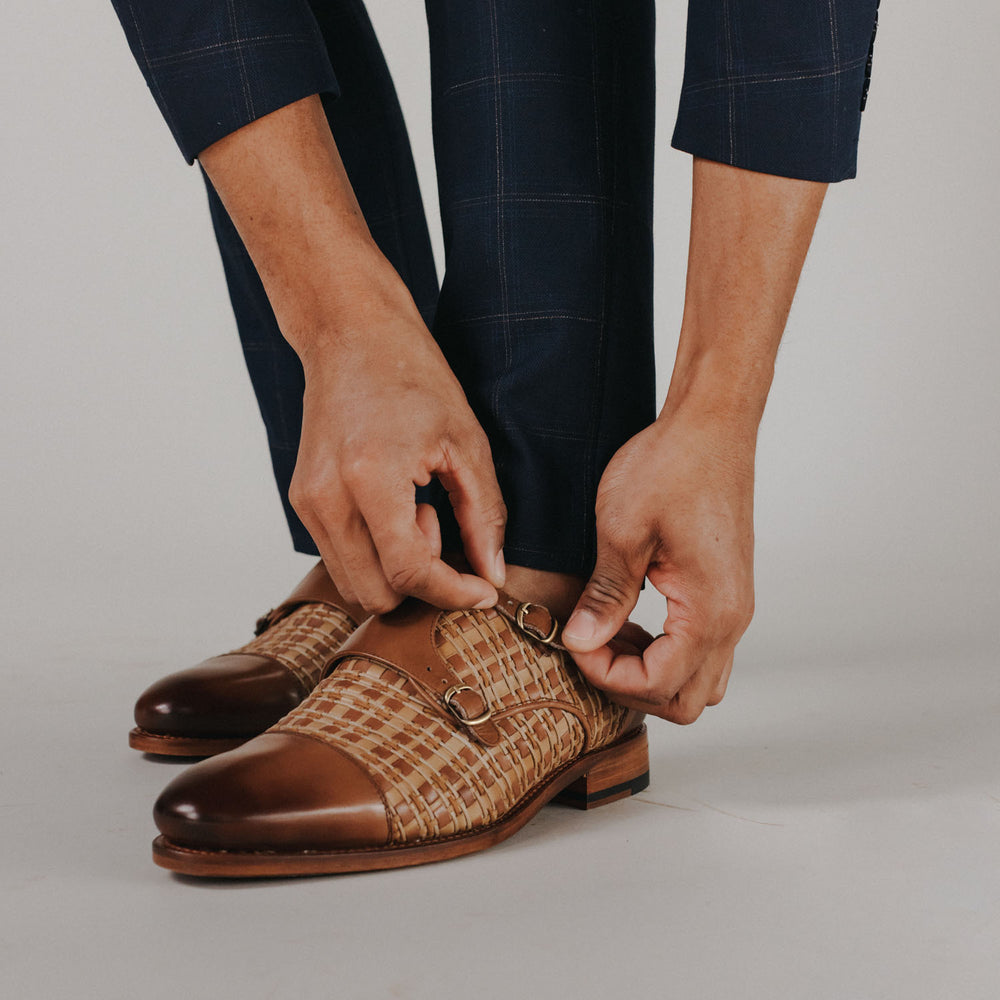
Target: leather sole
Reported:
[(182, 746), (596, 779)]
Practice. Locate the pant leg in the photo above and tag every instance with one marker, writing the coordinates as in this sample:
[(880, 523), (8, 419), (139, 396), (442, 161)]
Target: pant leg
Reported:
[(543, 130), (368, 126)]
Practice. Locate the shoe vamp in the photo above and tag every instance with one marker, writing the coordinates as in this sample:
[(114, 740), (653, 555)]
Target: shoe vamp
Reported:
[(489, 654), (304, 642), (434, 779)]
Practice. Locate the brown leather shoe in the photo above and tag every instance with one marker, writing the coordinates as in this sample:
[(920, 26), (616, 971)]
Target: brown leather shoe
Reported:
[(229, 699), (436, 734)]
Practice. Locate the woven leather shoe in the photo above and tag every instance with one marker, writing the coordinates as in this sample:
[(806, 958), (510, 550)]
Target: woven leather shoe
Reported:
[(229, 699), (436, 734)]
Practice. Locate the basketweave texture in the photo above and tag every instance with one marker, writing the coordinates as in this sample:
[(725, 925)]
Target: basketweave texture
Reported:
[(305, 640), (435, 780)]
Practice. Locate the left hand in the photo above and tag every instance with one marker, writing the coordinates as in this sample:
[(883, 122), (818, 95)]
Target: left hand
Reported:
[(675, 504)]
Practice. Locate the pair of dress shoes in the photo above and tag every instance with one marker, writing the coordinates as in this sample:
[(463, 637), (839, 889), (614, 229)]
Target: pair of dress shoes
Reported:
[(339, 743)]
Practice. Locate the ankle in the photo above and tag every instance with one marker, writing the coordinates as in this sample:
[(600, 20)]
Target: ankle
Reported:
[(558, 592)]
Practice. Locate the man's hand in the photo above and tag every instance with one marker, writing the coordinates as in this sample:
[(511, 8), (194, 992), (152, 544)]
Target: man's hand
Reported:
[(674, 504), (382, 412), (382, 409)]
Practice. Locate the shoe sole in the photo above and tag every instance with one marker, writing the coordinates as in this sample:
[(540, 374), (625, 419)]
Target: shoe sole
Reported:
[(182, 746), (594, 780)]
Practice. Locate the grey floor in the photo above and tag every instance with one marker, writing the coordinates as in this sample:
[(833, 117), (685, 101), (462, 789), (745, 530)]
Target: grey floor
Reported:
[(830, 831)]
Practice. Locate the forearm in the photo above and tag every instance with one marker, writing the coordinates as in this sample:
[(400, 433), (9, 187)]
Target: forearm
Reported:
[(382, 411), (285, 188), (675, 505), (749, 236)]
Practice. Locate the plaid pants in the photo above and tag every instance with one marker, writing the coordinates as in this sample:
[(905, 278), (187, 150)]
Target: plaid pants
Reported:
[(543, 133)]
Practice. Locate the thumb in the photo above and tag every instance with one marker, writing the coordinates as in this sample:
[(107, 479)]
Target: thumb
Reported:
[(607, 601)]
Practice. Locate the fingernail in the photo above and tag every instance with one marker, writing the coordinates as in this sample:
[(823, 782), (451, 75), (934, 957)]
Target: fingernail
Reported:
[(581, 626), (499, 570), (486, 602)]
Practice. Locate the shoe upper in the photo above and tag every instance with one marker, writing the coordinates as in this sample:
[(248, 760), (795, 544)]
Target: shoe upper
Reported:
[(439, 723), (242, 693)]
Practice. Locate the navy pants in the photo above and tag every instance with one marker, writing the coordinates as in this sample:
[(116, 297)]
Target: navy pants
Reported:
[(543, 133)]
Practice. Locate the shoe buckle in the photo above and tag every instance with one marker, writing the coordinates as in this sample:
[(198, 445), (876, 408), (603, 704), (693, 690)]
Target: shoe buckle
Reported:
[(263, 623), (521, 617), (457, 710)]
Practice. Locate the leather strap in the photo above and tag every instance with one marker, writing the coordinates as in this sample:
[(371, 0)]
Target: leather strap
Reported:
[(534, 620), (315, 587), (403, 639)]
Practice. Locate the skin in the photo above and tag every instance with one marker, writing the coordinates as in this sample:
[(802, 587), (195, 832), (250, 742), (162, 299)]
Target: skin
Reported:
[(383, 411), (675, 504)]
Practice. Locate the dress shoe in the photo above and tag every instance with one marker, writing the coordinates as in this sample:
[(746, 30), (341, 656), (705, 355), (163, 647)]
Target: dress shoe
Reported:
[(228, 699), (434, 734)]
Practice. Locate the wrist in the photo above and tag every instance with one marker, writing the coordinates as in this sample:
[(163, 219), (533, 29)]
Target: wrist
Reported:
[(332, 310), (721, 388)]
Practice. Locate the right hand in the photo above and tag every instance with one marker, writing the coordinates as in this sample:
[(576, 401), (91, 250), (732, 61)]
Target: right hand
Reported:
[(383, 412)]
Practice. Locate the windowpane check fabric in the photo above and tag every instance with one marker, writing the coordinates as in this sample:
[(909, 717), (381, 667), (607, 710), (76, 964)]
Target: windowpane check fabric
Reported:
[(543, 132), (776, 86), (770, 85)]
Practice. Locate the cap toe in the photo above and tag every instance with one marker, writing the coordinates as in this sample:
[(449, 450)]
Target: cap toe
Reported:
[(236, 694), (279, 792)]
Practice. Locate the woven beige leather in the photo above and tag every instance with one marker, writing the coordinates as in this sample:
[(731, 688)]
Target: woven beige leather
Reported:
[(434, 779), (305, 640)]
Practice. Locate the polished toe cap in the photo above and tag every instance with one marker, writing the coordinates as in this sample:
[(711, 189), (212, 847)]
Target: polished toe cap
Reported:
[(236, 694), (279, 792)]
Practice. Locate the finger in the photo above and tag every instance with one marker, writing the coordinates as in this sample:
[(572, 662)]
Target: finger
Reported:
[(694, 697), (608, 599), (630, 641), (633, 637), (331, 560), (359, 557), (344, 595), (622, 676), (720, 688), (671, 661), (479, 510), (341, 581), (412, 568), (427, 522), (445, 587)]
